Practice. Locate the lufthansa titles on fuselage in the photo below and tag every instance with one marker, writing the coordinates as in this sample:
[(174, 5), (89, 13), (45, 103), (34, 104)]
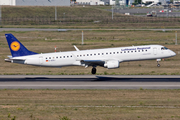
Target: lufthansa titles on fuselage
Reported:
[(138, 48)]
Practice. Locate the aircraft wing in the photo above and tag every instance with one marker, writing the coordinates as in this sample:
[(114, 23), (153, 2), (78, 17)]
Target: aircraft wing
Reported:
[(93, 62), (76, 48), (97, 62)]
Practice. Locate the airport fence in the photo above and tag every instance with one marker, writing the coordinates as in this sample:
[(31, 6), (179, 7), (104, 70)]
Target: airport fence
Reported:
[(88, 20)]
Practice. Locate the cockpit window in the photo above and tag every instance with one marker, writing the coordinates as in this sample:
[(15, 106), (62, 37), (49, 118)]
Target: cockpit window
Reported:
[(164, 48)]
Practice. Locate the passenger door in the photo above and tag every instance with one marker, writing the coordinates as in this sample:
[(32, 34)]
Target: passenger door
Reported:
[(155, 51)]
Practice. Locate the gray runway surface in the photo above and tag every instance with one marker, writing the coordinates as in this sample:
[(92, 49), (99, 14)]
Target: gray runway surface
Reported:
[(89, 82)]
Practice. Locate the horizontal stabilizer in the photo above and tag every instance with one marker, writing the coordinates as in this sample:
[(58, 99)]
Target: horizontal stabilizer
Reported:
[(13, 59)]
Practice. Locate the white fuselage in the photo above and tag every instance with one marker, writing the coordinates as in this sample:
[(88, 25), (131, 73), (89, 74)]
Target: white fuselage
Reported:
[(120, 54)]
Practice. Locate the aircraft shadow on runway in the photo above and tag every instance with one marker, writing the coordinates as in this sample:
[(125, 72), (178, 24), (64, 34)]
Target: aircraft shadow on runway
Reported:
[(98, 79)]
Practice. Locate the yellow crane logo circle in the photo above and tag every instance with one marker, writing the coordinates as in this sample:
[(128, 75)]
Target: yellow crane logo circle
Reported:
[(15, 46)]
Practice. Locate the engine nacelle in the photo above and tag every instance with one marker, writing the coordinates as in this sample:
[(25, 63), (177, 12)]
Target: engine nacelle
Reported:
[(112, 64)]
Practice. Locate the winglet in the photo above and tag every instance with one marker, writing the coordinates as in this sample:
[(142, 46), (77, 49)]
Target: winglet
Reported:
[(76, 48), (17, 49)]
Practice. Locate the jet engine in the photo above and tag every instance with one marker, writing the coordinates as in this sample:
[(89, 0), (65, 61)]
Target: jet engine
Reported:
[(111, 64)]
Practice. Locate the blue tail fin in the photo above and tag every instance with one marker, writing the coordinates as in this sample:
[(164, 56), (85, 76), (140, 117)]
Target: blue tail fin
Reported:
[(17, 49)]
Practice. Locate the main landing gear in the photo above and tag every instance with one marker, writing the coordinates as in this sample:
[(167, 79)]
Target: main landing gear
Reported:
[(93, 70)]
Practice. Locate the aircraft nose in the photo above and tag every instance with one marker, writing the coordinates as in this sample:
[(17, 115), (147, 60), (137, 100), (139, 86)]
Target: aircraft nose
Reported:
[(172, 53)]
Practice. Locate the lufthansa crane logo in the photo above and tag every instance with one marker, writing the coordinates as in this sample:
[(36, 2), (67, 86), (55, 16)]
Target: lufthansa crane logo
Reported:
[(15, 46)]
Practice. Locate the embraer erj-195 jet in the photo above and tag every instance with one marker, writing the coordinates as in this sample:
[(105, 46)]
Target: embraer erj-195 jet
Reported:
[(109, 57)]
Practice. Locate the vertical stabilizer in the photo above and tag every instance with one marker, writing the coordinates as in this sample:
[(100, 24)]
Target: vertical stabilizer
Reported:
[(17, 49)]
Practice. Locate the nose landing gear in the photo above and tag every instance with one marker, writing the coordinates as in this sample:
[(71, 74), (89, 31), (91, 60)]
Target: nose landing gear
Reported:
[(158, 65), (158, 60)]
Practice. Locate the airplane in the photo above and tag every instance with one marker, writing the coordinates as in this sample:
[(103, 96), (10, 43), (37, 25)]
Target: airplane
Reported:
[(108, 57)]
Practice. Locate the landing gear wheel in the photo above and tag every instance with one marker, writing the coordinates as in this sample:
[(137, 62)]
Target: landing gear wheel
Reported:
[(158, 65), (93, 71)]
